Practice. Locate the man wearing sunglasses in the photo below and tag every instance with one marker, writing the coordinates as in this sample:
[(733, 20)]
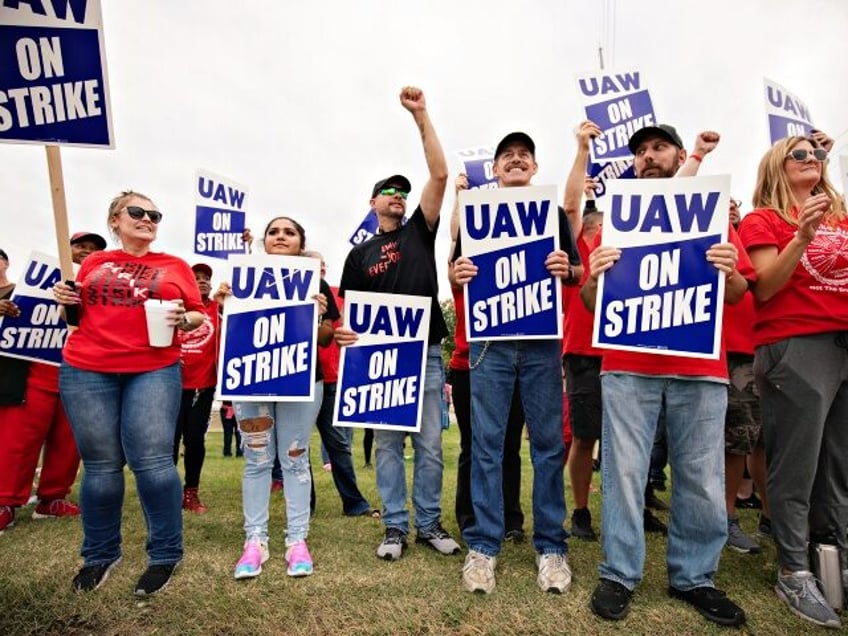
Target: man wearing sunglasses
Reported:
[(400, 259), (692, 394)]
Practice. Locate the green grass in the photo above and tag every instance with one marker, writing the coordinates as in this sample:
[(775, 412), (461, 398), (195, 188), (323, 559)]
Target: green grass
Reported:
[(351, 592)]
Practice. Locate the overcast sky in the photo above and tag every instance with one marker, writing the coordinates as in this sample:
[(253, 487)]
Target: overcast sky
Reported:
[(299, 101)]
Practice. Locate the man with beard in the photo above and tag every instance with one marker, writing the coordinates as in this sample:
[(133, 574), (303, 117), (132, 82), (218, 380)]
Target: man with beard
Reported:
[(400, 259), (635, 387)]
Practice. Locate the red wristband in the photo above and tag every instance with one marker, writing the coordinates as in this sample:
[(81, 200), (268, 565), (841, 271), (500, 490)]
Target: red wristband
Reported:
[(697, 158)]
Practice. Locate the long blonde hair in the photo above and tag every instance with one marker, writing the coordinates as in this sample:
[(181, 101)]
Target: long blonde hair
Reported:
[(774, 192)]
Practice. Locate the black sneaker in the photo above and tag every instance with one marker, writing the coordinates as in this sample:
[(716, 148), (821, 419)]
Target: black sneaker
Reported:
[(91, 577), (764, 526), (437, 538), (751, 503), (155, 579), (652, 524), (393, 545), (581, 525), (611, 600), (712, 604), (516, 535)]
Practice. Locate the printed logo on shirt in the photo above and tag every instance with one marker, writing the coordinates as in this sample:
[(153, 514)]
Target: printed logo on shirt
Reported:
[(389, 255), (193, 342), (123, 284), (826, 258)]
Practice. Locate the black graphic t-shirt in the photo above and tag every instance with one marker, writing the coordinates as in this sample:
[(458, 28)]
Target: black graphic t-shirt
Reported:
[(399, 262)]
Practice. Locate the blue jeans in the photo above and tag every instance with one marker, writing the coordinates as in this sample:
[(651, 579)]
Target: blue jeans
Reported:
[(427, 467), (287, 438), (335, 442), (535, 365), (118, 419), (697, 530)]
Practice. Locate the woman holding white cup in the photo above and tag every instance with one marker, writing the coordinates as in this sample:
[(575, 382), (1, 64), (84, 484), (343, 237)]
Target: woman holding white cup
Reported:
[(121, 390)]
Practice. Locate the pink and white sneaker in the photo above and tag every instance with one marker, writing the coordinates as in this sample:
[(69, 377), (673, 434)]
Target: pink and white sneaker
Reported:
[(299, 559), (255, 554)]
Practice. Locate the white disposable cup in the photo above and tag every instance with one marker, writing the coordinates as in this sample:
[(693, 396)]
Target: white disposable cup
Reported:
[(159, 332)]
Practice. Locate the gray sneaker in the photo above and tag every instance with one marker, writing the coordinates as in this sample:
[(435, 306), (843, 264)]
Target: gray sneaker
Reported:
[(393, 545), (738, 540), (800, 592), (478, 573), (437, 538)]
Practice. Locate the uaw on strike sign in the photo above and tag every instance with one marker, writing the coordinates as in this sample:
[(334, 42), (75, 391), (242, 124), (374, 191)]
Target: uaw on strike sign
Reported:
[(270, 330), (663, 296), (53, 86), (508, 233), (381, 375)]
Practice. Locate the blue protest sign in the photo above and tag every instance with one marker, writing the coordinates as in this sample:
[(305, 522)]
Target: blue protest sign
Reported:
[(219, 216), (620, 105), (508, 233), (477, 164), (39, 333), (787, 115), (662, 296), (602, 173), (53, 82), (366, 229), (269, 331), (381, 376)]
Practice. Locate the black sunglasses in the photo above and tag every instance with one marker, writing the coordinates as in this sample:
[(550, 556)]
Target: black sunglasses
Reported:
[(801, 154), (138, 213)]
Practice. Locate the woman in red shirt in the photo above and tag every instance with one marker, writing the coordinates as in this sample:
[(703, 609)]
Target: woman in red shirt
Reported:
[(122, 395), (797, 238)]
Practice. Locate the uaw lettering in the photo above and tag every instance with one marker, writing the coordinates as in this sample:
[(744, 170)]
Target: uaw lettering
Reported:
[(381, 376), (508, 234), (269, 330), (219, 216), (787, 115), (620, 106), (53, 85), (663, 296), (39, 333), (478, 165)]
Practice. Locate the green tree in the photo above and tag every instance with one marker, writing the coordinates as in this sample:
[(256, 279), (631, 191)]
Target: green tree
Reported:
[(448, 344)]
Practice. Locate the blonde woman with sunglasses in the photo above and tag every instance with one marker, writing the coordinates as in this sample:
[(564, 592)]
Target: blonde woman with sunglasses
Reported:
[(797, 238)]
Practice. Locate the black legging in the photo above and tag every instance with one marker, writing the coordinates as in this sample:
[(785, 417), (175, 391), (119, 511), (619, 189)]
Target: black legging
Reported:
[(192, 422), (368, 444)]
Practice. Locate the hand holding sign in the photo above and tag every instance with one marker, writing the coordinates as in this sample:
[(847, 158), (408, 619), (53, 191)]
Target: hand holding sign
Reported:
[(724, 256), (461, 182), (464, 270), (822, 139), (412, 99), (8, 308), (344, 336), (601, 259), (557, 264), (65, 294), (587, 131)]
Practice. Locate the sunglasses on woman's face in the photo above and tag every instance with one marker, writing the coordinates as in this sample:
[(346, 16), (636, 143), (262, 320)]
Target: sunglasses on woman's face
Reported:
[(801, 154), (138, 213)]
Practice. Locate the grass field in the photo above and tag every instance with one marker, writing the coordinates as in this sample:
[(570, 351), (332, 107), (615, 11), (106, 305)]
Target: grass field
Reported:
[(351, 592)]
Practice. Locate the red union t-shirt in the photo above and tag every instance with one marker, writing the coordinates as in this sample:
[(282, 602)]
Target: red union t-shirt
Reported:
[(578, 321), (459, 357), (815, 298), (112, 335), (199, 350), (615, 361), (738, 327), (329, 356)]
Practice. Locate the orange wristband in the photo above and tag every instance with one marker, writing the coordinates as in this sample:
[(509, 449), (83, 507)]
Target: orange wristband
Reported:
[(697, 158)]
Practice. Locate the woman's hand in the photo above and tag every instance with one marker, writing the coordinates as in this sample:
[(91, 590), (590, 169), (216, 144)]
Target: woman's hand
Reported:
[(65, 294), (810, 216), (601, 259), (345, 336), (224, 290), (322, 303), (464, 270)]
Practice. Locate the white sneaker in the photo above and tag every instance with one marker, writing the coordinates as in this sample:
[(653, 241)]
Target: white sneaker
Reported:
[(554, 573), (478, 573)]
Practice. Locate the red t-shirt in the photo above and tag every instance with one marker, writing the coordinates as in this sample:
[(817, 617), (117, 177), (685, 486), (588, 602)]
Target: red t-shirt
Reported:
[(815, 298), (328, 357), (578, 321), (199, 350), (112, 336), (459, 357), (662, 365), (738, 327)]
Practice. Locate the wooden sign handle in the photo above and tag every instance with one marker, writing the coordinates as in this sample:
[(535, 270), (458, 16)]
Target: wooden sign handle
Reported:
[(60, 211)]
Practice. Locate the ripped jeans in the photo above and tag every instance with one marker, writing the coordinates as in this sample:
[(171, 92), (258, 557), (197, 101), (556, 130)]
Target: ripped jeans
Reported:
[(281, 428)]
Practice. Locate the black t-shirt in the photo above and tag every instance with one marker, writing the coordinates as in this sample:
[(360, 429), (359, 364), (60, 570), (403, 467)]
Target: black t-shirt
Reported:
[(332, 314), (566, 240), (399, 262)]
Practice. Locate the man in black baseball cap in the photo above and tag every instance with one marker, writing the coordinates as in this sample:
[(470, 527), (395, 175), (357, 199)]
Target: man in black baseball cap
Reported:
[(396, 181), (520, 138), (663, 131)]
